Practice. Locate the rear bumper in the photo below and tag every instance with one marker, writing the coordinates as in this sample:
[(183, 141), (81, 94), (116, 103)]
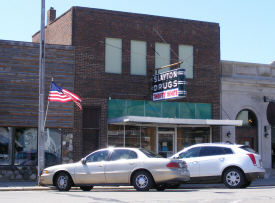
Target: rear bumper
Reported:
[(171, 176), (254, 176)]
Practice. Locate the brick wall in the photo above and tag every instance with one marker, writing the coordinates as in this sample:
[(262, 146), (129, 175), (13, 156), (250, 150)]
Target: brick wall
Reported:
[(19, 87)]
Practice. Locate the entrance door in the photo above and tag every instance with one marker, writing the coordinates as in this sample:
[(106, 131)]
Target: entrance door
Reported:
[(91, 127), (166, 144)]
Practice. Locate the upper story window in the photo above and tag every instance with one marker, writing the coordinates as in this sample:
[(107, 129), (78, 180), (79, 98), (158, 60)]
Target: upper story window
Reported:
[(186, 54), (162, 56), (113, 55), (138, 57)]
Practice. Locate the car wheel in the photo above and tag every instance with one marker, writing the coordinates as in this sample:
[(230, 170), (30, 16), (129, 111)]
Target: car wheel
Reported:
[(86, 188), (233, 178), (174, 186), (142, 181), (246, 184), (160, 187), (63, 182)]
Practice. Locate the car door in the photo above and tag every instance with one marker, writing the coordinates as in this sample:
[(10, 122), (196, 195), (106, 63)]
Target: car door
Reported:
[(122, 163), (191, 157), (93, 170), (212, 159)]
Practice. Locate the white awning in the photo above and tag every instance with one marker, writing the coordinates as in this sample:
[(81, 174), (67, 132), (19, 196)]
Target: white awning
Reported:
[(154, 121)]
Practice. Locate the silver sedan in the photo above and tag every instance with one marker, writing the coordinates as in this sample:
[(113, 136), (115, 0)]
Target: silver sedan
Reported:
[(140, 168)]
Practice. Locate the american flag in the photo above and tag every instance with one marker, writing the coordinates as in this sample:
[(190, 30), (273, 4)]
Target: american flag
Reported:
[(59, 94)]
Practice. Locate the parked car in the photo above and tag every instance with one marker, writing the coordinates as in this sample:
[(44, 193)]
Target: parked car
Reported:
[(233, 164), (140, 168)]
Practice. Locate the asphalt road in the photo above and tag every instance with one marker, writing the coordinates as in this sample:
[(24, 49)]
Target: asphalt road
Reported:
[(129, 195)]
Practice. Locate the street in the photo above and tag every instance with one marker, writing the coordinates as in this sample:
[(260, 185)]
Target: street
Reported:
[(127, 194)]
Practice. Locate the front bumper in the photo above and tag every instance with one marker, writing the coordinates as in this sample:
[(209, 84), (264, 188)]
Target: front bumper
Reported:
[(47, 179)]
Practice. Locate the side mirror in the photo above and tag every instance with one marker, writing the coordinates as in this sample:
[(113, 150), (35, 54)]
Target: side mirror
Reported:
[(83, 161)]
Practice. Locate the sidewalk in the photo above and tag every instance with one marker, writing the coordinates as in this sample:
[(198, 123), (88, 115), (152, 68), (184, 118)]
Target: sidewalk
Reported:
[(21, 186)]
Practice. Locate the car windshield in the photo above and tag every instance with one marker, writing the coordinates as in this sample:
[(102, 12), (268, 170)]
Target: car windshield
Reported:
[(150, 154), (247, 148)]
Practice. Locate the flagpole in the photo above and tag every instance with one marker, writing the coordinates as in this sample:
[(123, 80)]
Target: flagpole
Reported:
[(47, 109), (41, 155)]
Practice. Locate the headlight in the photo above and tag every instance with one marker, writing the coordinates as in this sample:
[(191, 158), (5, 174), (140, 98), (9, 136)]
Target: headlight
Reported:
[(46, 172)]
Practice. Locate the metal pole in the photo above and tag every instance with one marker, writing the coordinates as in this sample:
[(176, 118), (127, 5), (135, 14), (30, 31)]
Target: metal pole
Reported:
[(41, 162)]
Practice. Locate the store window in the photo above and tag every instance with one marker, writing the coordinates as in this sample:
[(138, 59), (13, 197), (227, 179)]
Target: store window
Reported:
[(132, 136), (5, 145), (135, 136), (18, 146), (188, 136), (115, 135), (26, 146)]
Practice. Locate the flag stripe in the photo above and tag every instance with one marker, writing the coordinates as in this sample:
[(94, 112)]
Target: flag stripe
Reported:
[(72, 95)]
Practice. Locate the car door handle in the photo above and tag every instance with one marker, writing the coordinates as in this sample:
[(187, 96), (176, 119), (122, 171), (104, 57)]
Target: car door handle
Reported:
[(100, 165), (195, 162), (132, 163)]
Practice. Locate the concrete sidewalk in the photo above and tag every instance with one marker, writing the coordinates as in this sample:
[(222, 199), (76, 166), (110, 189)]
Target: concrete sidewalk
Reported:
[(21, 186)]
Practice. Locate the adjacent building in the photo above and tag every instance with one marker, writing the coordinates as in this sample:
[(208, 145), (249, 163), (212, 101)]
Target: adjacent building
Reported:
[(247, 93)]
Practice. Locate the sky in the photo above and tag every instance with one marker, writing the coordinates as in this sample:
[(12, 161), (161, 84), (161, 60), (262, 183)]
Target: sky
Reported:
[(247, 27)]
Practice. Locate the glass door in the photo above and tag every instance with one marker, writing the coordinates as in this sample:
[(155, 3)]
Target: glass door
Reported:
[(166, 143)]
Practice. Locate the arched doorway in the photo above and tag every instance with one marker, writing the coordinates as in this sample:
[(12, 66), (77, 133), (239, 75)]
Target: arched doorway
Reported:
[(247, 134)]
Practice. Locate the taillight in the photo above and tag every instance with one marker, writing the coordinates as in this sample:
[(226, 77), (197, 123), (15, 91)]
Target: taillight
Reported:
[(252, 157), (173, 165)]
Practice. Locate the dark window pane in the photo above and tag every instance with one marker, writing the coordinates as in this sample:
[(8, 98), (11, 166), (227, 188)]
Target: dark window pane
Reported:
[(211, 151), (5, 145), (227, 150)]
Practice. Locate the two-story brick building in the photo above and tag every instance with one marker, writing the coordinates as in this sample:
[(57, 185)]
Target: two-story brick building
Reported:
[(116, 55)]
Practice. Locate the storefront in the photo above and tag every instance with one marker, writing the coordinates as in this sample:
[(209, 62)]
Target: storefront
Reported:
[(181, 125)]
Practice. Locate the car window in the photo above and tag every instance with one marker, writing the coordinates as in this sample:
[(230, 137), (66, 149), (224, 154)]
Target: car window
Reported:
[(150, 154), (190, 153), (98, 156), (211, 151), (247, 148), (118, 154), (227, 150)]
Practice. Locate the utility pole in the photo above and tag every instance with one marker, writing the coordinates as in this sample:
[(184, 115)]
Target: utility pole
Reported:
[(41, 162)]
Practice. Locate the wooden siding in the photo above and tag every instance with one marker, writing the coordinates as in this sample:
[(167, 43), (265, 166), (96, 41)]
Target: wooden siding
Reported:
[(19, 83)]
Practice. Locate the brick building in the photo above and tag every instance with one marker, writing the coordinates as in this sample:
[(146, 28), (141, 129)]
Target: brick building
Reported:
[(116, 54)]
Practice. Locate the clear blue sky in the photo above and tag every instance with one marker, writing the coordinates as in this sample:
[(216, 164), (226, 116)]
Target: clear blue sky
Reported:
[(247, 26)]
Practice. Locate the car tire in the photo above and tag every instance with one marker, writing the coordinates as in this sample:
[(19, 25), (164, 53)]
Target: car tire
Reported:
[(86, 188), (246, 184), (63, 181), (233, 178), (173, 186), (142, 181), (161, 187)]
